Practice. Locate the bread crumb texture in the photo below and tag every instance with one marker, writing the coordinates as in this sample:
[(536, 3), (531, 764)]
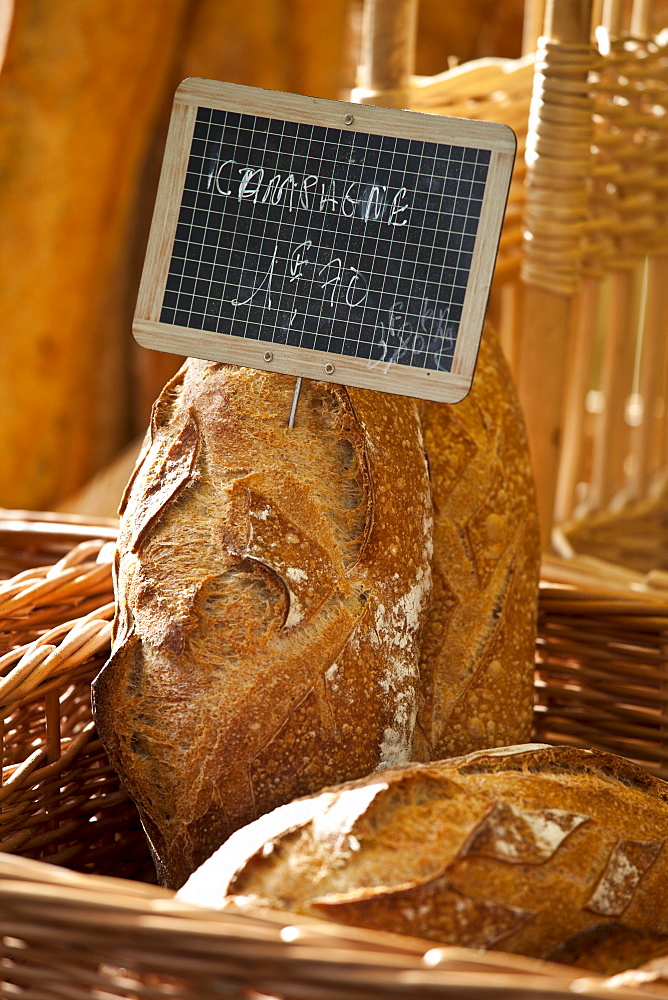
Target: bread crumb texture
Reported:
[(277, 627), (550, 852)]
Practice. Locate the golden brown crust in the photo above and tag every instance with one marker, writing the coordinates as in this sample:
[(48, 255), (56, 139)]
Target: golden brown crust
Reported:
[(272, 585), (545, 851), (478, 647)]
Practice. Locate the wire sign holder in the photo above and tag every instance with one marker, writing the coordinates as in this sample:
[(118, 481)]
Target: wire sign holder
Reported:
[(322, 239)]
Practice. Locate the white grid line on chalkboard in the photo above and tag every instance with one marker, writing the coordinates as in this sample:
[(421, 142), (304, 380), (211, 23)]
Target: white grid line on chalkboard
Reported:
[(200, 287), (209, 309), (257, 272), (340, 145), (209, 297), (211, 300)]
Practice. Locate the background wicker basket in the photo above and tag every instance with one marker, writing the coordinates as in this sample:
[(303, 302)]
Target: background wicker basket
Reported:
[(580, 290), (602, 660)]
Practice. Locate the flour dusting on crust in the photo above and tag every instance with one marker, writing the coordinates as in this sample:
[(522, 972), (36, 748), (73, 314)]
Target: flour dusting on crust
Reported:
[(627, 864), (398, 627)]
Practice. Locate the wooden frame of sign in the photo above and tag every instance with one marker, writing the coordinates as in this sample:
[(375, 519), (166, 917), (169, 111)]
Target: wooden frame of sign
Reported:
[(334, 241)]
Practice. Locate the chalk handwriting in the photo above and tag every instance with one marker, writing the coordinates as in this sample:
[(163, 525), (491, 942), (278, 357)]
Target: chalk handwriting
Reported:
[(406, 332), (427, 332), (337, 282), (372, 203), (419, 327), (265, 285)]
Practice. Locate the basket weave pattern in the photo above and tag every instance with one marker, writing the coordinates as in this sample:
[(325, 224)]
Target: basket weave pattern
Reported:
[(602, 662), (59, 798)]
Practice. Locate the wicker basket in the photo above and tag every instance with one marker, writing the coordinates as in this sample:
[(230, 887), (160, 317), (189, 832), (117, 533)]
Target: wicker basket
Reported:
[(59, 799), (602, 660), (601, 681), (602, 664), (580, 293)]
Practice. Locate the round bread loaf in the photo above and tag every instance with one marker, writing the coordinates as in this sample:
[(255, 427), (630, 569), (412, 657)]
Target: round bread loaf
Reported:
[(550, 852), (272, 583)]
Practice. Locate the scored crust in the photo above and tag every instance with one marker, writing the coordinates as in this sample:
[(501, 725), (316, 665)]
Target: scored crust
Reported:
[(273, 586), (476, 663), (550, 852), (272, 583)]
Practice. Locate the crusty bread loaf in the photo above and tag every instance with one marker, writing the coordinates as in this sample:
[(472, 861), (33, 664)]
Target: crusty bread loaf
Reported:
[(272, 583), (556, 853), (476, 676)]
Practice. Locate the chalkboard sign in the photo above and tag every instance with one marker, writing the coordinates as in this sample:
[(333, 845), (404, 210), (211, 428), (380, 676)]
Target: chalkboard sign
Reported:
[(324, 239)]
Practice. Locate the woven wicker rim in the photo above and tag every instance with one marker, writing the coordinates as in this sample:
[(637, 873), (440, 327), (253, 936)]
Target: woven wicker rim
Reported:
[(261, 951)]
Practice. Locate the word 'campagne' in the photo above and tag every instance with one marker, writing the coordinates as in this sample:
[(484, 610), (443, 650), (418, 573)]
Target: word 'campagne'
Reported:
[(370, 202)]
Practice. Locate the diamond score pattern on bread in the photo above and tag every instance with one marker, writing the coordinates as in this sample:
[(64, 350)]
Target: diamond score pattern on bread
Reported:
[(477, 654), (277, 629), (551, 852)]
